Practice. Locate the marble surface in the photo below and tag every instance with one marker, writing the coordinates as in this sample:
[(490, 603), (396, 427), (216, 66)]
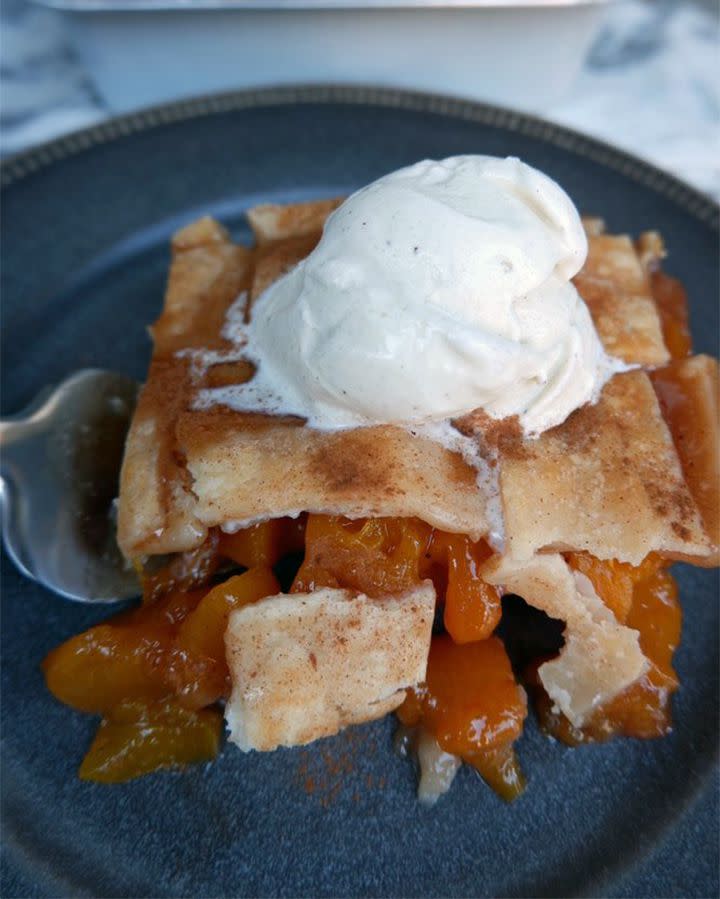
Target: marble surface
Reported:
[(650, 84)]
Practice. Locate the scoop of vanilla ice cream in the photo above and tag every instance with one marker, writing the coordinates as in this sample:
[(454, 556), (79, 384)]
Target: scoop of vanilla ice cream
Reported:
[(439, 289)]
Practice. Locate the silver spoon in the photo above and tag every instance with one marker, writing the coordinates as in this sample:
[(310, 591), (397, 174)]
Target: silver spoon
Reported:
[(59, 466)]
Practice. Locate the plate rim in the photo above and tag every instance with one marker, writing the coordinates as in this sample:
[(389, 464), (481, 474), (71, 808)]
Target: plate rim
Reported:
[(702, 206)]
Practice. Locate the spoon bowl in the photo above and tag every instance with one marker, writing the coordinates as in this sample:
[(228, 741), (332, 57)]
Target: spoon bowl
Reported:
[(60, 462)]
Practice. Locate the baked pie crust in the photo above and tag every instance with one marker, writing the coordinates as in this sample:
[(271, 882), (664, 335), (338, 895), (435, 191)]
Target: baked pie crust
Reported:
[(622, 479)]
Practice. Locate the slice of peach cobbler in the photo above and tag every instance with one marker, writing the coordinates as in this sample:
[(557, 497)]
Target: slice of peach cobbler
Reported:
[(312, 559)]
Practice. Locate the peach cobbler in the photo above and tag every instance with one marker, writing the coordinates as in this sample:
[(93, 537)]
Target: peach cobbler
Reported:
[(428, 451)]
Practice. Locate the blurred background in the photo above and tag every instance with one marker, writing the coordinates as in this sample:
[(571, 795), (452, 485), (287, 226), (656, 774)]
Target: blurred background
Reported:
[(640, 74)]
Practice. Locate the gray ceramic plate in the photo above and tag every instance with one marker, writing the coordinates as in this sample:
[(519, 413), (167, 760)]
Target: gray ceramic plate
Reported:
[(84, 256)]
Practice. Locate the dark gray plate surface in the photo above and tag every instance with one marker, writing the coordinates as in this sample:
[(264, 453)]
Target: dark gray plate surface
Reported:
[(84, 257)]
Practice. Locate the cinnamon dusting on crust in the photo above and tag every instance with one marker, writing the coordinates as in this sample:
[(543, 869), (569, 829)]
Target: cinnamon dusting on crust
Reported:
[(616, 290), (607, 481), (493, 433), (272, 221), (273, 260), (164, 397), (352, 464), (207, 274), (358, 674)]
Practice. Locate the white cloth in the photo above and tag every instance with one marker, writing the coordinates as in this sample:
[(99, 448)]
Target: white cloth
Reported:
[(651, 85), (44, 92)]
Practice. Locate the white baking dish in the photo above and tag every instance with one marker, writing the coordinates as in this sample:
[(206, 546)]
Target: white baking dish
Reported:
[(524, 55)]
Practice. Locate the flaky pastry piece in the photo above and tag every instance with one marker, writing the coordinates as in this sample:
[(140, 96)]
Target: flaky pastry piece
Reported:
[(306, 665), (695, 383), (607, 481), (279, 221), (615, 288), (246, 469), (600, 657), (156, 502)]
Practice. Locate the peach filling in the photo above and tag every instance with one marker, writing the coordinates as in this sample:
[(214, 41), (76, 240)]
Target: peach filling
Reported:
[(155, 673), (647, 599)]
